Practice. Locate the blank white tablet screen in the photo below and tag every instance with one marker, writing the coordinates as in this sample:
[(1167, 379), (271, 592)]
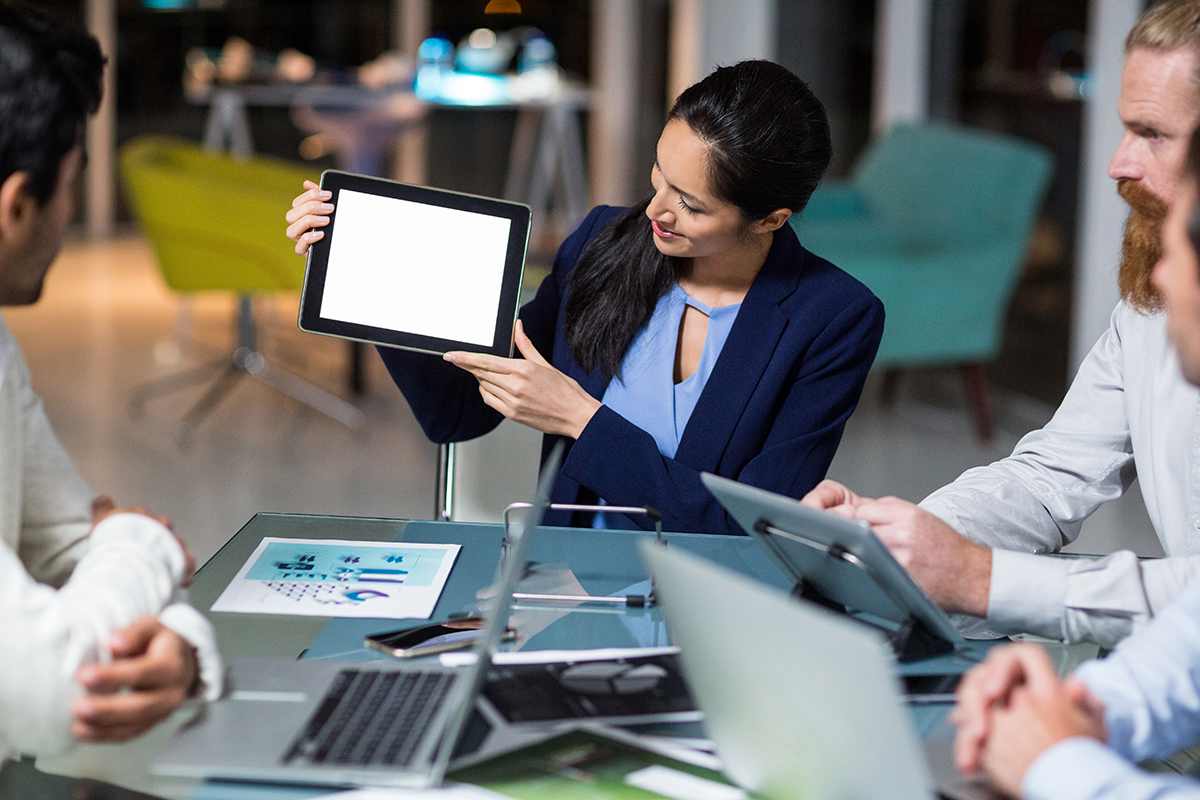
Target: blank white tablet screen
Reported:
[(416, 268)]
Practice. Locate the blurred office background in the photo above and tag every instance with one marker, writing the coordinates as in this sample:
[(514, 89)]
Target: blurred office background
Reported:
[(1046, 71)]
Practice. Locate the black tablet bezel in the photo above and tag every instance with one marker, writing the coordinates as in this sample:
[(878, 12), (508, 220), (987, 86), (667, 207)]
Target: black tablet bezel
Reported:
[(517, 214)]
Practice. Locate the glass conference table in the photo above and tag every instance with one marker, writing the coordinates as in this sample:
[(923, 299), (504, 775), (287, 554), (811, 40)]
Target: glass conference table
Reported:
[(563, 561)]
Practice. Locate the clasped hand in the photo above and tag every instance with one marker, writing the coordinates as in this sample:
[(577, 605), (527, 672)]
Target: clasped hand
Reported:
[(153, 669), (1012, 707), (530, 391)]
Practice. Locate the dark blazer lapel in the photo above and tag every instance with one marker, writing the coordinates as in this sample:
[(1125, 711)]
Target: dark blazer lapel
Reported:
[(744, 359)]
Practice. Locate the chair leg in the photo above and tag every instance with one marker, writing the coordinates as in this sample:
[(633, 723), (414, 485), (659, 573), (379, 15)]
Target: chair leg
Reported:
[(185, 431), (889, 386), (180, 380), (976, 382), (300, 390), (445, 483), (356, 378), (245, 360)]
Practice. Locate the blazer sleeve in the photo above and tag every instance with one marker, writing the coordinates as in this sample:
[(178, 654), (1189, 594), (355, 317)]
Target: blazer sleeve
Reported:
[(445, 399), (621, 463)]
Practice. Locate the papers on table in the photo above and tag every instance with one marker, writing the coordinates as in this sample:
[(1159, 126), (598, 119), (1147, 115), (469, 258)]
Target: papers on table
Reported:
[(466, 658), (336, 578), (456, 791), (682, 785)]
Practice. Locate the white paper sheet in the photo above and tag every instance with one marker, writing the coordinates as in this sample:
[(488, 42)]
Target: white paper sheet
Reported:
[(682, 785), (455, 791), (337, 578), (462, 659)]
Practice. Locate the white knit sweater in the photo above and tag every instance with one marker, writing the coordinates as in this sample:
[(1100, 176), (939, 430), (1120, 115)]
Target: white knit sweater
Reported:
[(64, 592)]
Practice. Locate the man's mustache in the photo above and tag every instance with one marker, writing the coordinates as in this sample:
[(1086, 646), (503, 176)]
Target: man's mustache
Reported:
[(1142, 245), (1142, 199)]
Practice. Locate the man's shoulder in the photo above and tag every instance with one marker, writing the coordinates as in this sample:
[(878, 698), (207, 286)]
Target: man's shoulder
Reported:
[(1139, 339), (11, 357), (1136, 327), (1135, 340)]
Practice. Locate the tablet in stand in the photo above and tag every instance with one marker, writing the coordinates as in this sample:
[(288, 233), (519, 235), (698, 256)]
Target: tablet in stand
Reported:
[(840, 564)]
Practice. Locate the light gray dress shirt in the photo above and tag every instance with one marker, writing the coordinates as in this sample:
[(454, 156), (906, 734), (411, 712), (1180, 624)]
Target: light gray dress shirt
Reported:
[(1129, 413)]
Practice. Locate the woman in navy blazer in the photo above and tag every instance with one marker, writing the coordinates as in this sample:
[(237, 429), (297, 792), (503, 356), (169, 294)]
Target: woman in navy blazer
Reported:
[(775, 401)]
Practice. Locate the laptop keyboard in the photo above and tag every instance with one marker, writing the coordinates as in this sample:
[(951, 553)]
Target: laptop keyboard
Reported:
[(372, 718)]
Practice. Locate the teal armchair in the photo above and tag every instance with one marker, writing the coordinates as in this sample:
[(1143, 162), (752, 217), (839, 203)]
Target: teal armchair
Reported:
[(936, 220)]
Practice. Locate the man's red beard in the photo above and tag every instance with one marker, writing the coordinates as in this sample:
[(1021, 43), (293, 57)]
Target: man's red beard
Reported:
[(1142, 247)]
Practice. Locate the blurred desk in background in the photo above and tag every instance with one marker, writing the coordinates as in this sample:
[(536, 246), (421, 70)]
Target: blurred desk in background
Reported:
[(546, 160), (545, 164)]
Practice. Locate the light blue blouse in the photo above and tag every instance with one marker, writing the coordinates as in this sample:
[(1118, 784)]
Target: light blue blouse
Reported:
[(645, 392)]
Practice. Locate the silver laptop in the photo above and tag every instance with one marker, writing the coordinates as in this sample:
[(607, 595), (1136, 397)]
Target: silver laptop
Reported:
[(350, 724), (800, 702)]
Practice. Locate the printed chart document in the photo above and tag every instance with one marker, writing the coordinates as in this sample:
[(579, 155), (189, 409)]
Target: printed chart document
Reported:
[(336, 578)]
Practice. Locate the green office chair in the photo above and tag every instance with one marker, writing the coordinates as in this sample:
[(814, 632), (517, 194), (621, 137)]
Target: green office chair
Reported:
[(215, 224), (936, 220)]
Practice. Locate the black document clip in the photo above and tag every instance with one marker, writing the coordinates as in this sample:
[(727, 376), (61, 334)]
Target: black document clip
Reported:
[(911, 639)]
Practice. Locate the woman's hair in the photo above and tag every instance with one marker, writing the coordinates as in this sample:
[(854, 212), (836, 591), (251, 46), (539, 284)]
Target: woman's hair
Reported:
[(768, 146)]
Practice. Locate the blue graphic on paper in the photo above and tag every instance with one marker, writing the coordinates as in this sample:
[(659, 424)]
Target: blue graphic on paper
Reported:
[(340, 573), (364, 594)]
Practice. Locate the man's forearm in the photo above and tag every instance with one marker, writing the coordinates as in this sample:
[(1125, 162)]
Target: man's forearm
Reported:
[(131, 569)]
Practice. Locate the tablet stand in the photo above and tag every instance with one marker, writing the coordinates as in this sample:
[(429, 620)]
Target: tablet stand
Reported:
[(911, 641), (629, 600)]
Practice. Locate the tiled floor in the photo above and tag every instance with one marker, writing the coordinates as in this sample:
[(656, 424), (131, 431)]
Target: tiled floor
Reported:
[(105, 315)]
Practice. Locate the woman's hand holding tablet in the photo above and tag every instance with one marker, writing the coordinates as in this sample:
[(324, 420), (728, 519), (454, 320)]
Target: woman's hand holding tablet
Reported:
[(409, 266), (309, 213)]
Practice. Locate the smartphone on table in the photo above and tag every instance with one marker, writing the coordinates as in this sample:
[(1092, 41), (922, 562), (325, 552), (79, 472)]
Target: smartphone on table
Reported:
[(426, 640)]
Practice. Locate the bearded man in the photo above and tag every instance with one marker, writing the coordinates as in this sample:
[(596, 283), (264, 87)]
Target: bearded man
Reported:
[(976, 545)]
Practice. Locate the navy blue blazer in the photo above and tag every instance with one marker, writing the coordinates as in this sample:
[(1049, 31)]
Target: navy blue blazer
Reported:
[(771, 414)]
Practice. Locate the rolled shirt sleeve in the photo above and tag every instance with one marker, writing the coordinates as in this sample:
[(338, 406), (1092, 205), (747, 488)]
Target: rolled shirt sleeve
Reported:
[(193, 628), (1150, 685)]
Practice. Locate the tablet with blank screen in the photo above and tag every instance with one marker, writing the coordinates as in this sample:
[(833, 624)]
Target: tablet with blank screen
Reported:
[(414, 267)]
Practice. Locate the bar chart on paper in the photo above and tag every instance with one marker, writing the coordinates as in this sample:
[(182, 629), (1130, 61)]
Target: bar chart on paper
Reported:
[(335, 578)]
